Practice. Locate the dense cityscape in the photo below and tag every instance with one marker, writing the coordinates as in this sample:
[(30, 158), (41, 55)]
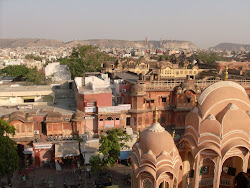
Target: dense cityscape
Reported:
[(140, 94), (59, 117)]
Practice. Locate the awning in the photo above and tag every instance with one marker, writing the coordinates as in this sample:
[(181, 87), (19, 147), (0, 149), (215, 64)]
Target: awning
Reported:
[(124, 155), (67, 149)]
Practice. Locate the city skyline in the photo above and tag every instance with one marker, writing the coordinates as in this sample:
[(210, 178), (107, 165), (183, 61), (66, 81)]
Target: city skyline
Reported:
[(206, 24)]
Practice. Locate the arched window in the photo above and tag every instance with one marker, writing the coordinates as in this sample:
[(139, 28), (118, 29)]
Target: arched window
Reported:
[(164, 184), (140, 120), (147, 184), (175, 183), (109, 118)]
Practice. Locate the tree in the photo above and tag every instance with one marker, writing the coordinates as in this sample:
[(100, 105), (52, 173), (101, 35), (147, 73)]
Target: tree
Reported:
[(163, 58), (111, 144), (31, 56), (85, 59), (8, 150), (34, 76), (15, 70), (23, 73), (208, 57), (96, 163), (173, 59)]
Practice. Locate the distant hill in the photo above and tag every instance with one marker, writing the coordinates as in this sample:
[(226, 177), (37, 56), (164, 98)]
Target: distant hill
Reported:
[(14, 43), (232, 47)]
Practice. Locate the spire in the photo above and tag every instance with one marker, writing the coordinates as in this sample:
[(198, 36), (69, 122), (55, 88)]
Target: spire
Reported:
[(138, 135), (195, 101), (226, 74), (173, 134), (156, 115)]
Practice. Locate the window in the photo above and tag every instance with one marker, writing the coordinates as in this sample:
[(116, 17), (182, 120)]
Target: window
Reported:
[(140, 121), (152, 101), (188, 99), (59, 127), (22, 128), (100, 119), (147, 184), (29, 128), (28, 100), (109, 118), (17, 126), (164, 99), (117, 118)]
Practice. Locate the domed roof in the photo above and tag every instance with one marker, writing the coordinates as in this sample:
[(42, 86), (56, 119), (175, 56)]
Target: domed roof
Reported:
[(221, 119), (54, 116), (78, 116), (152, 136), (29, 117), (155, 152), (17, 115), (186, 85), (219, 94)]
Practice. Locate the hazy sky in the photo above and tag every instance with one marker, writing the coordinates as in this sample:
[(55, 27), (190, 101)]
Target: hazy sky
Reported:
[(204, 22)]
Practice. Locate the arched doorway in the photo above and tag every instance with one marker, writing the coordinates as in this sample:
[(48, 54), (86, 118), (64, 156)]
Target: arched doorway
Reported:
[(164, 184), (189, 170), (206, 176), (230, 168), (147, 184)]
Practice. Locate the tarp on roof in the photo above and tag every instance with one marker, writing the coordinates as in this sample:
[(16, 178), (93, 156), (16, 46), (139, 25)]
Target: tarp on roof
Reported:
[(124, 155), (66, 149)]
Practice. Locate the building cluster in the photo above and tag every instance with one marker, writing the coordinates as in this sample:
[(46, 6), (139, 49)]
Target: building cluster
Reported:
[(18, 55), (192, 139), (212, 151)]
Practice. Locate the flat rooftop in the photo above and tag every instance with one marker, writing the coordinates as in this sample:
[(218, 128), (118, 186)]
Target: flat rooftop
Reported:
[(38, 110), (130, 77), (21, 88)]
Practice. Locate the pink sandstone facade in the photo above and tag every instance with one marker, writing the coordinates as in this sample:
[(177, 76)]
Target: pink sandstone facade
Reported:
[(213, 150)]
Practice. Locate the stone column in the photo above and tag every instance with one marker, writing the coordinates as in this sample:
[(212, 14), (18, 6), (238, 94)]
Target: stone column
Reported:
[(196, 171), (217, 173), (245, 162), (185, 170)]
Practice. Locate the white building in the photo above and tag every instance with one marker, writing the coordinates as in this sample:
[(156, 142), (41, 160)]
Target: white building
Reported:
[(57, 72)]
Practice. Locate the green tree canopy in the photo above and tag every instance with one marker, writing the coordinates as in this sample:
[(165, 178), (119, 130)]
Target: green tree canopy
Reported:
[(96, 163), (24, 73), (207, 57), (8, 150), (15, 70), (85, 59), (31, 56), (163, 58), (111, 144)]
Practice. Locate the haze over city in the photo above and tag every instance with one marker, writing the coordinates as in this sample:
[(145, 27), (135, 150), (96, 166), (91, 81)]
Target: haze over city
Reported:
[(205, 23)]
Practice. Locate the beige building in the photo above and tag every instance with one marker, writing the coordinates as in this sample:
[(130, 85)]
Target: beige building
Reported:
[(11, 95)]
